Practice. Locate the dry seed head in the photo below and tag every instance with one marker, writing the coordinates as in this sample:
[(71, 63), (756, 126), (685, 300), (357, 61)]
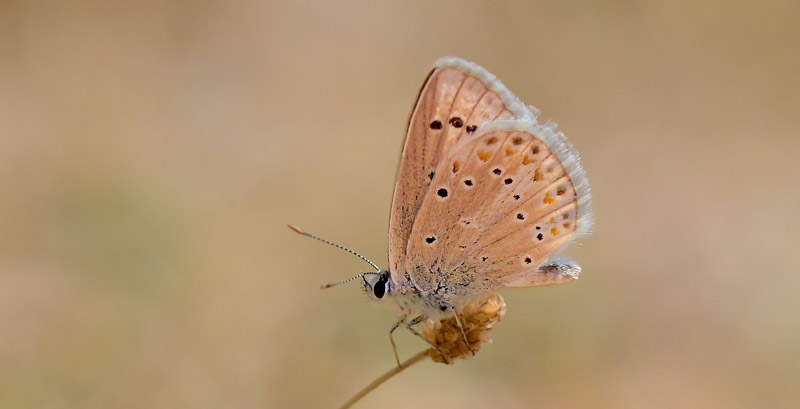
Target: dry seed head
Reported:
[(478, 318)]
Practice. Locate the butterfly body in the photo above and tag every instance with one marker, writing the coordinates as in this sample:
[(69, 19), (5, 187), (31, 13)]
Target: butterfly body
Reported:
[(405, 298)]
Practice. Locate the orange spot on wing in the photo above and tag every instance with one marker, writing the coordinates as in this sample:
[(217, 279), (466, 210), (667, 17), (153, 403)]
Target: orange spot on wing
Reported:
[(536, 175), (509, 151), (484, 156), (491, 141), (526, 160), (456, 166), (548, 200), (554, 231)]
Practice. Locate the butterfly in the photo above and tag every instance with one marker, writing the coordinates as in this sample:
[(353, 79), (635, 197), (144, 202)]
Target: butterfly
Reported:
[(485, 198)]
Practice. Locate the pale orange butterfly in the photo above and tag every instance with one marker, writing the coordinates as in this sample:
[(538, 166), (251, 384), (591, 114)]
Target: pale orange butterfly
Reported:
[(485, 197)]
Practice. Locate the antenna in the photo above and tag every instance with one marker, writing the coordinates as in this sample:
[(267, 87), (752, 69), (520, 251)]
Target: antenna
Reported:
[(324, 286)]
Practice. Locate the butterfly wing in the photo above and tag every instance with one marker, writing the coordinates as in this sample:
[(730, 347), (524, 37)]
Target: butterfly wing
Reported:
[(456, 99), (500, 204)]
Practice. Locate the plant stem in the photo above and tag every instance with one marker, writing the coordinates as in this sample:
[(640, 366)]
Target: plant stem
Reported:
[(383, 378)]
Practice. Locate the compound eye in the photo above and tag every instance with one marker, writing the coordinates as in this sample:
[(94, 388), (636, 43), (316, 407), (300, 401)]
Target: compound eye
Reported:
[(380, 288)]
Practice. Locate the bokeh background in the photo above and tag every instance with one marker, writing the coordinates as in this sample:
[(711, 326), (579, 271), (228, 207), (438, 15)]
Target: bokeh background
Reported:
[(152, 152)]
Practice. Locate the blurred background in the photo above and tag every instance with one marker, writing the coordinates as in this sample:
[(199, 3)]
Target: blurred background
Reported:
[(152, 152)]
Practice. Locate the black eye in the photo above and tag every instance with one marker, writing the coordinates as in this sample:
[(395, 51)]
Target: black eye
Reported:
[(380, 288)]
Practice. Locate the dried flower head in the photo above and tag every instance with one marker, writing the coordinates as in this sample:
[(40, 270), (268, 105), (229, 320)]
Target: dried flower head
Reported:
[(477, 316)]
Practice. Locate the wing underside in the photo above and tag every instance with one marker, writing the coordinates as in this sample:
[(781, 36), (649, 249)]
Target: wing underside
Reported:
[(456, 99), (499, 206), (484, 193)]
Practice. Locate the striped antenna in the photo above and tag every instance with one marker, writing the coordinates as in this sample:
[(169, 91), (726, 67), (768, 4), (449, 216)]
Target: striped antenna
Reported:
[(298, 231), (329, 285)]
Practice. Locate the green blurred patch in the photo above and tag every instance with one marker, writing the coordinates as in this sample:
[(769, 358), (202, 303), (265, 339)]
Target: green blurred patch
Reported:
[(114, 231)]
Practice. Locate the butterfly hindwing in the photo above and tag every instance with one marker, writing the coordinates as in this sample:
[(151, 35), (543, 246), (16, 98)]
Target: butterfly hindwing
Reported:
[(456, 99), (500, 205)]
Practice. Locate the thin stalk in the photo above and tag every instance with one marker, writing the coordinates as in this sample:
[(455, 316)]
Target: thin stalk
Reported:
[(383, 378)]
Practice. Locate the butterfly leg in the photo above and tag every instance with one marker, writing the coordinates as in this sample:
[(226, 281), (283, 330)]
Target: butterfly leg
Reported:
[(463, 334), (391, 338), (416, 321)]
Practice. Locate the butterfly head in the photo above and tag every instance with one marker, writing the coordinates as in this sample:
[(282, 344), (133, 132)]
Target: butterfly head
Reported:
[(378, 285)]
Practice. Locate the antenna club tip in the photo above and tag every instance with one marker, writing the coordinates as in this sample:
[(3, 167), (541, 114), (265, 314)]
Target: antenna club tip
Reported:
[(324, 286), (295, 228)]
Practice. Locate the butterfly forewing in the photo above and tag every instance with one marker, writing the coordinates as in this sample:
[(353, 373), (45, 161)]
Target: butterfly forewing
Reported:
[(499, 205), (457, 98)]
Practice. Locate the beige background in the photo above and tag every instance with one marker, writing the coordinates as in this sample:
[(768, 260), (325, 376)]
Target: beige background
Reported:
[(151, 154)]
